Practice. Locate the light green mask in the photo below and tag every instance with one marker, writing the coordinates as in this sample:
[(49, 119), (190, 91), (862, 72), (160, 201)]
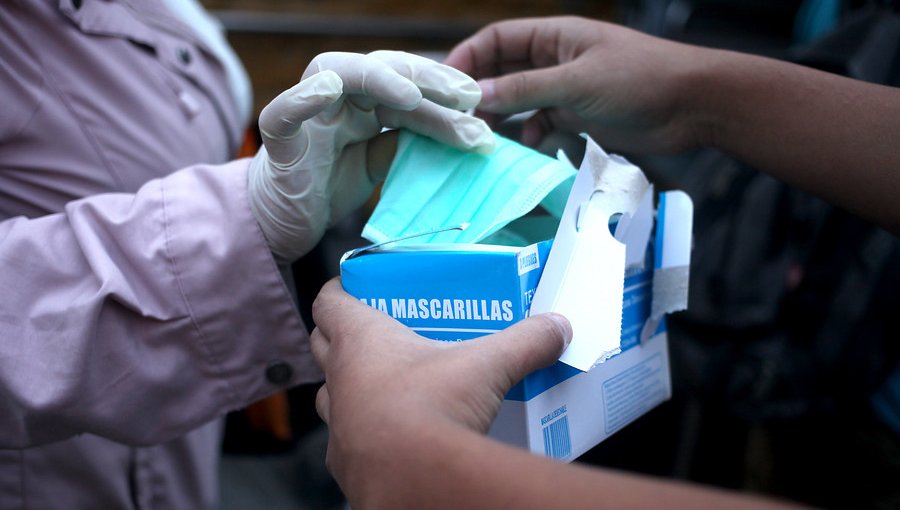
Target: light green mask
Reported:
[(432, 186)]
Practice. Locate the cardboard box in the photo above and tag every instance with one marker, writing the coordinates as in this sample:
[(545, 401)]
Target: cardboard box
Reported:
[(609, 270), (451, 291)]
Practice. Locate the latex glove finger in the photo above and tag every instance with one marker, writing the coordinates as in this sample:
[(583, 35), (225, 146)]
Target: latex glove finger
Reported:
[(369, 77), (280, 120), (394, 79), (451, 127), (398, 80), (439, 83)]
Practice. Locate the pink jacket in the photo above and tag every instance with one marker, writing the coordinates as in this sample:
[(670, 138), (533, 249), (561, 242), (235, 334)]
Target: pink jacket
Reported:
[(138, 302)]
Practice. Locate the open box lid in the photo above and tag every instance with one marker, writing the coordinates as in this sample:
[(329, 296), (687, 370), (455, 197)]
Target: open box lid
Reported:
[(584, 275)]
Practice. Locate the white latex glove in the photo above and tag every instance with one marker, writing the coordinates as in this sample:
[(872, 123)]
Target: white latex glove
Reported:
[(312, 171)]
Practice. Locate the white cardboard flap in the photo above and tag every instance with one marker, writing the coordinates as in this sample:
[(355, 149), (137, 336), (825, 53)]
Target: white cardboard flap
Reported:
[(584, 275)]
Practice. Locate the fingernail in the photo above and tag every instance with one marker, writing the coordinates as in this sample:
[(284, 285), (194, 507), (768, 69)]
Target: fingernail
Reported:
[(488, 93), (564, 325)]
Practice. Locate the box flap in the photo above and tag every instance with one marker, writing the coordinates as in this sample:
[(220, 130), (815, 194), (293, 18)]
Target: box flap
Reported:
[(672, 257), (584, 275)]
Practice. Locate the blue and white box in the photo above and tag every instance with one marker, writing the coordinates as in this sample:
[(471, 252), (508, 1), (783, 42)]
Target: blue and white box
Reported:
[(450, 291), (613, 270)]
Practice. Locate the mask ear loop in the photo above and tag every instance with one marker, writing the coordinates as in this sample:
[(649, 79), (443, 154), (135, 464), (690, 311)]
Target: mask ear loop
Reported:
[(352, 253)]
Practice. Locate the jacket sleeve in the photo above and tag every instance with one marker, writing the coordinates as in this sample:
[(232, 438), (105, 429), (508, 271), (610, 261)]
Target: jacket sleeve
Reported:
[(138, 317)]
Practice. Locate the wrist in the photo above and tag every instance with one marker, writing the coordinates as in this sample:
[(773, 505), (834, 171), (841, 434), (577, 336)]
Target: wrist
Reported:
[(394, 465), (704, 96)]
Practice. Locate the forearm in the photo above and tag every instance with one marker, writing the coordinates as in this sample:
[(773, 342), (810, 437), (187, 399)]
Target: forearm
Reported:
[(829, 135), (450, 467)]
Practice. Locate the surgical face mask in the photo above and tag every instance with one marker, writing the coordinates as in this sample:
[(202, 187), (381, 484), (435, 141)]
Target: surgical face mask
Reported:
[(431, 187)]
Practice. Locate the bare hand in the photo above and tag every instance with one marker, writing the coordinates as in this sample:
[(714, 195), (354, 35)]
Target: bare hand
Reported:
[(625, 88), (384, 382)]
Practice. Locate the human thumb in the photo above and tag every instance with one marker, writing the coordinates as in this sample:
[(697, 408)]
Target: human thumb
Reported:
[(280, 120), (528, 345)]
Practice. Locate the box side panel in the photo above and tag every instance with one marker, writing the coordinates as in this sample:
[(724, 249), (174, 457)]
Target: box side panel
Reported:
[(636, 301), (570, 418), (530, 262)]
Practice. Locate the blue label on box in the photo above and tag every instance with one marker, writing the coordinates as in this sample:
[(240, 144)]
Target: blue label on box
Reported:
[(451, 293)]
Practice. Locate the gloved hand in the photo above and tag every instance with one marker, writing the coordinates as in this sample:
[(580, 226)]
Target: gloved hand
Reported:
[(313, 168)]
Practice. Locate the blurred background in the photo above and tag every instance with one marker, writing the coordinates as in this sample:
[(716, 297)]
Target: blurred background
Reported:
[(789, 337), (277, 38)]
